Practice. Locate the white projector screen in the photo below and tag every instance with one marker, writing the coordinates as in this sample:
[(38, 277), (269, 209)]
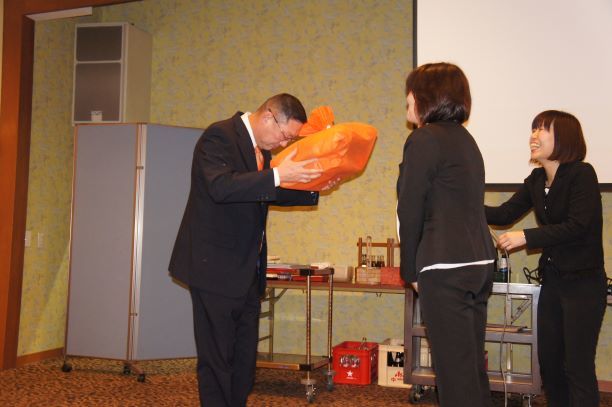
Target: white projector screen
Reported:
[(522, 57)]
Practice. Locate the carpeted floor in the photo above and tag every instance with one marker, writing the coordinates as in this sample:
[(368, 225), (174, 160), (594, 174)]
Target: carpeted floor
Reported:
[(96, 382)]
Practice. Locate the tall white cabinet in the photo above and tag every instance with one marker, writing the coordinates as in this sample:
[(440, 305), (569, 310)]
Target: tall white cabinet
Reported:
[(130, 188)]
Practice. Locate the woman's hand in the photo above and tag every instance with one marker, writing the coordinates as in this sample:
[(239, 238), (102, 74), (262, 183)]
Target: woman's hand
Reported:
[(511, 240)]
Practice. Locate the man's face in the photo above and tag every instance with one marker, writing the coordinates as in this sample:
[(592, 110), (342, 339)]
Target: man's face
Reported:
[(276, 133)]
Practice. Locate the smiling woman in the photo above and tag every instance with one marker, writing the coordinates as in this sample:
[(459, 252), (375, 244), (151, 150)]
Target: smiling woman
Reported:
[(541, 143), (564, 194)]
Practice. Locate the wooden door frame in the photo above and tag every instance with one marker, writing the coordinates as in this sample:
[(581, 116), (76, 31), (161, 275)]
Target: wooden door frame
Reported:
[(15, 118)]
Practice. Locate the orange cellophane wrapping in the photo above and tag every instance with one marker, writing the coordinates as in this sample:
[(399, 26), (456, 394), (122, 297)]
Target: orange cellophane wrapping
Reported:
[(343, 149), (320, 118)]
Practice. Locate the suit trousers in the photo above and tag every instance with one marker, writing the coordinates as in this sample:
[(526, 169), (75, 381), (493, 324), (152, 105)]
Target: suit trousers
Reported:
[(570, 314), (454, 308), (226, 333)]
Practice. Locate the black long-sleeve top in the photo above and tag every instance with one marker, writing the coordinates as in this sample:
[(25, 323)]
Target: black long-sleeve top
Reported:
[(569, 217), (440, 193)]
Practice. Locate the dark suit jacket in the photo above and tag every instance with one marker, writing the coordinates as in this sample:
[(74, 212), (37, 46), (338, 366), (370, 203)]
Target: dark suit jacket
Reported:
[(221, 240), (440, 193), (569, 217)]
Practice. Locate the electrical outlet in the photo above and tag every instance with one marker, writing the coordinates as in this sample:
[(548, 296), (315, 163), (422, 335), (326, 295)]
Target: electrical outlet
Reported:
[(28, 238)]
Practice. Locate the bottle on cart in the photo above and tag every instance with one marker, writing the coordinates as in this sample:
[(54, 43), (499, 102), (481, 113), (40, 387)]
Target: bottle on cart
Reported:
[(390, 359), (399, 359), (502, 269)]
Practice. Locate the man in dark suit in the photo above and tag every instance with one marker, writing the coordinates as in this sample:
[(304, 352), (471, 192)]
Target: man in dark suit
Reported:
[(220, 250)]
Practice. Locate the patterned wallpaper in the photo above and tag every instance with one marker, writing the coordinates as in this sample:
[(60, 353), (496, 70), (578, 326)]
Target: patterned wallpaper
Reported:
[(208, 62), (45, 276)]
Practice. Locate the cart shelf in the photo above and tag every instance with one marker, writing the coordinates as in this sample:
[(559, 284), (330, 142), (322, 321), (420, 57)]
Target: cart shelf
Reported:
[(512, 333), (289, 361)]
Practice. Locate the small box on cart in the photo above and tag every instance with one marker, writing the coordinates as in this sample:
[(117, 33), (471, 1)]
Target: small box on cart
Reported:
[(355, 362)]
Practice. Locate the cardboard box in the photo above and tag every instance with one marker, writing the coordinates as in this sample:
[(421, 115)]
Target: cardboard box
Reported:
[(425, 356), (391, 363), (368, 275), (355, 362), (343, 274), (391, 276)]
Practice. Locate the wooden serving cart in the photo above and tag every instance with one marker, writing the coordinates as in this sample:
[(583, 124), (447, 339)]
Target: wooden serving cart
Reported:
[(300, 362)]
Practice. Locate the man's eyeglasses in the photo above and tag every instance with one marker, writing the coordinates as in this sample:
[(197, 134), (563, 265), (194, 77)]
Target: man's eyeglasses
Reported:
[(285, 137)]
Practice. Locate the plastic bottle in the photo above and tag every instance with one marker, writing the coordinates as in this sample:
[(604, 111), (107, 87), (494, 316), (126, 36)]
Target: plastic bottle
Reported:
[(503, 268)]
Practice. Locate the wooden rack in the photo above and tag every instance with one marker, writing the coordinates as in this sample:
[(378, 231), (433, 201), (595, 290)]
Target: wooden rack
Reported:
[(391, 245)]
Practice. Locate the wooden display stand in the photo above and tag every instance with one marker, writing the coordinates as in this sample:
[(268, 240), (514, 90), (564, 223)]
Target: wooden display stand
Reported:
[(386, 275), (391, 245)]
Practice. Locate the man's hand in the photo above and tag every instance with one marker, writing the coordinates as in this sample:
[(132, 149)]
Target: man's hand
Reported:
[(331, 183), (294, 171), (511, 240), (415, 286)]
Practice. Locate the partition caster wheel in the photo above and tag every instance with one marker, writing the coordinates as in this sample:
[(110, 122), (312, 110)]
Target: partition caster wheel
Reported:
[(126, 370), (141, 378), (416, 393), (66, 367)]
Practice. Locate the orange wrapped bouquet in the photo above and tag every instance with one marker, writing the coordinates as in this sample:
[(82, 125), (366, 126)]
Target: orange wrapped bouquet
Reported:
[(343, 149)]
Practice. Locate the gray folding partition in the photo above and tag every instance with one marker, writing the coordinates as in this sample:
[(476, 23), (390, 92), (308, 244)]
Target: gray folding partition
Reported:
[(130, 188)]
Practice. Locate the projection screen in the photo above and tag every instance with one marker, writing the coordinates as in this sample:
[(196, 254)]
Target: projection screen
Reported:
[(522, 57)]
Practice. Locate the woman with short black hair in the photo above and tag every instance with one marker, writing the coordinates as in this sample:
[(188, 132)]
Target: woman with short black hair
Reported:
[(564, 194)]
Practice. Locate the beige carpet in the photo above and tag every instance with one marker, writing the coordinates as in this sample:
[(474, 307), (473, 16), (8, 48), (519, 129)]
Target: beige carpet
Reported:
[(96, 382)]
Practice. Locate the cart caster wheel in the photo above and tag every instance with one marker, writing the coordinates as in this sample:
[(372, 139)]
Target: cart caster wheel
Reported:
[(416, 393), (126, 370), (310, 394), (66, 367), (330, 379), (526, 400), (141, 378)]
